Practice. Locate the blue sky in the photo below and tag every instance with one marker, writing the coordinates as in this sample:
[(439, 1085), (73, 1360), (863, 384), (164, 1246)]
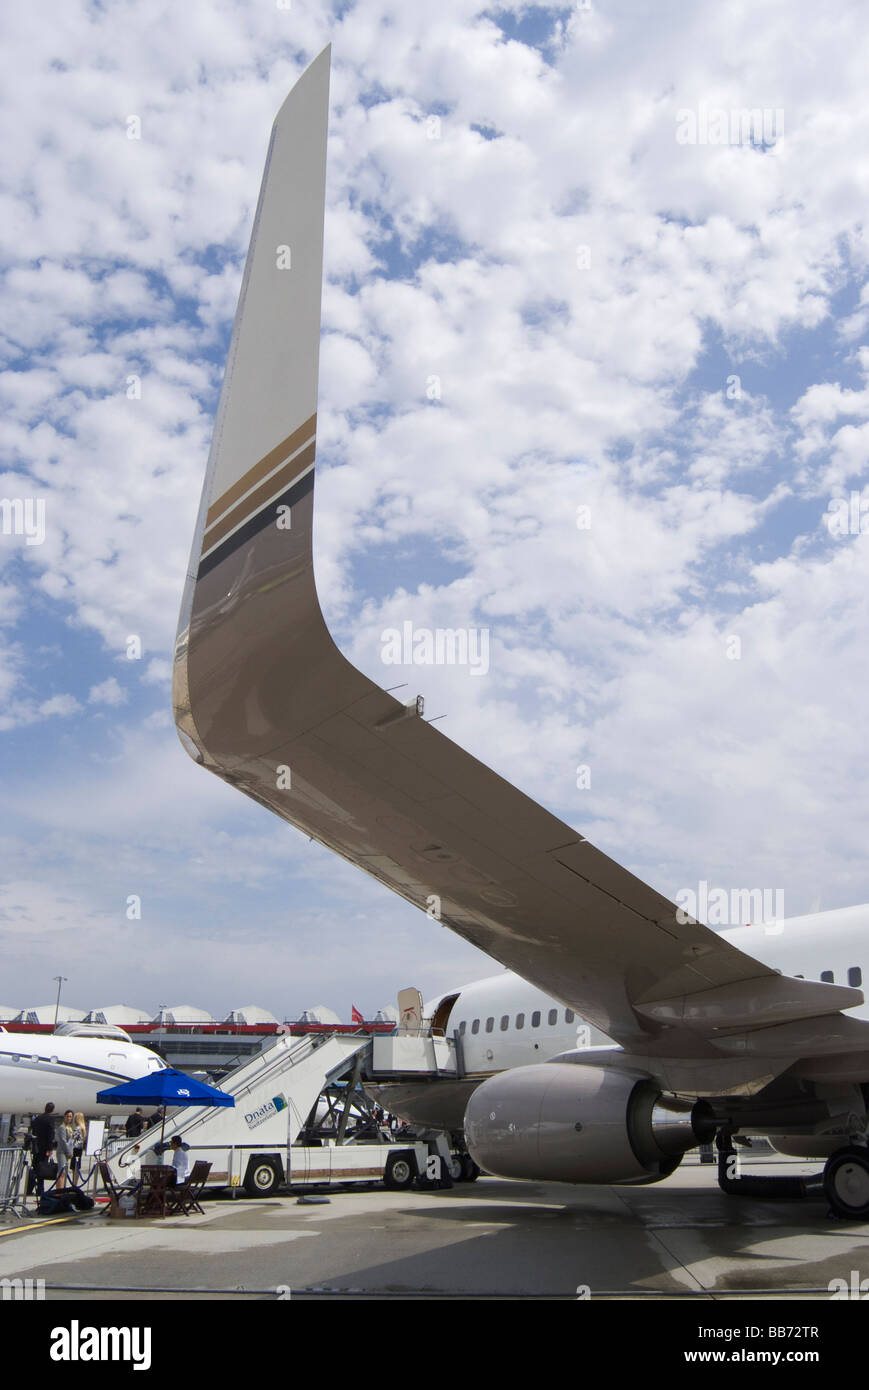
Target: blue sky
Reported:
[(452, 253)]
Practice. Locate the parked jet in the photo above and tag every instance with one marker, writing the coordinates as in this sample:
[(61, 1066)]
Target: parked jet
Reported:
[(712, 1037), (503, 1021), (68, 1067)]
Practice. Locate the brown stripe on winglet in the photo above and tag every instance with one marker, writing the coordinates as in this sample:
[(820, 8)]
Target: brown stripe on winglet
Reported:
[(259, 470), (276, 484)]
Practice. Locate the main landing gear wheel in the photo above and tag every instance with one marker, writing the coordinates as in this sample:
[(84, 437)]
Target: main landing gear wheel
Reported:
[(846, 1183)]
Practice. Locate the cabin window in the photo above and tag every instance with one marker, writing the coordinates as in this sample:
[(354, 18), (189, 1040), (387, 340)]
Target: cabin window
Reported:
[(855, 977), (505, 1022), (490, 1024), (520, 1020), (462, 1029), (475, 1026), (827, 976), (535, 1019), (569, 1015), (553, 1017)]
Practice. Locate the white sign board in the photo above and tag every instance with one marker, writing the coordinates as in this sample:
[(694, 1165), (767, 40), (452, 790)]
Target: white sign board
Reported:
[(94, 1143)]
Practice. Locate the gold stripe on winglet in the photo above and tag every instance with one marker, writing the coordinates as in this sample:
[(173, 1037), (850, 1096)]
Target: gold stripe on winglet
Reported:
[(261, 469), (273, 487)]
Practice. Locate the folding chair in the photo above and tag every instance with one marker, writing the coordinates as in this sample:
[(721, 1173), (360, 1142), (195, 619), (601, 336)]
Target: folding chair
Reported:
[(184, 1199)]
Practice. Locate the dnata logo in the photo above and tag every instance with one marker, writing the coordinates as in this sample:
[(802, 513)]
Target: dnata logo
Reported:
[(76, 1343), (265, 1112), (181, 1092)]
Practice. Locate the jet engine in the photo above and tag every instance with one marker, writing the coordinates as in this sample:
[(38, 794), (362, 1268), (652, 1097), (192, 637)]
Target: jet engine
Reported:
[(566, 1122)]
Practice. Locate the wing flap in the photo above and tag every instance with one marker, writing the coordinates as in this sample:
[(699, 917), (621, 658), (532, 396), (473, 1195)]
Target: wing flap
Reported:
[(750, 1003)]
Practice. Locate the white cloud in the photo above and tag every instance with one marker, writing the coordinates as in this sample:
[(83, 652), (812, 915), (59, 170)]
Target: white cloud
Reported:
[(108, 692), (575, 293), (63, 705)]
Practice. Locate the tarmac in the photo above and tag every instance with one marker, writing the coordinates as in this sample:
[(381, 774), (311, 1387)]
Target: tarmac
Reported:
[(681, 1239)]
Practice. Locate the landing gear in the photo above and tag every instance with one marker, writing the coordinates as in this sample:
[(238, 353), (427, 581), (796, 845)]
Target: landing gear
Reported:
[(469, 1170), (846, 1183), (731, 1181)]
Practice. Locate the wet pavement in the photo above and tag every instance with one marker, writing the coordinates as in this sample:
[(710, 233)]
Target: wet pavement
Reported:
[(680, 1239)]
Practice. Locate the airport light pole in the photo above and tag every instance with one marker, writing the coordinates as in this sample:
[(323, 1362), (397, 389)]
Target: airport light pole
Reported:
[(61, 980)]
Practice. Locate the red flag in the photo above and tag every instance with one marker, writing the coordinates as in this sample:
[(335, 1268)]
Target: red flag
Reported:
[(356, 1015)]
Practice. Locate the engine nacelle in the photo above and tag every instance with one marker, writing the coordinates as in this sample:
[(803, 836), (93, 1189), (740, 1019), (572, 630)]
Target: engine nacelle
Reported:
[(565, 1122)]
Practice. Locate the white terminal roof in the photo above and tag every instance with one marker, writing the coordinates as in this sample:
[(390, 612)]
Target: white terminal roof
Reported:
[(319, 1014), (183, 1013), (250, 1013), (44, 1013), (121, 1015), (118, 1014)]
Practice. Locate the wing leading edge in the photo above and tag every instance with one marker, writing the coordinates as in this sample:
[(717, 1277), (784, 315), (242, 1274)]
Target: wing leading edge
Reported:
[(264, 698)]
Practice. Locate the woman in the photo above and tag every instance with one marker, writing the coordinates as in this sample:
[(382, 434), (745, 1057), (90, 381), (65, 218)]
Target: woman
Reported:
[(79, 1136), (65, 1136)]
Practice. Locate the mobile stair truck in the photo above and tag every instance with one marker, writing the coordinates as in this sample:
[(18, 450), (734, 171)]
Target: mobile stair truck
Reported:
[(250, 1145)]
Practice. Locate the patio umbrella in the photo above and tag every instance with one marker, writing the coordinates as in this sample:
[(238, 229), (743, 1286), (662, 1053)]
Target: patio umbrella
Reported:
[(166, 1087)]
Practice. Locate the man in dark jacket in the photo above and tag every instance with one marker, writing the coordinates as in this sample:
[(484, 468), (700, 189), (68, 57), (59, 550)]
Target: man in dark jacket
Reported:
[(135, 1124), (42, 1130)]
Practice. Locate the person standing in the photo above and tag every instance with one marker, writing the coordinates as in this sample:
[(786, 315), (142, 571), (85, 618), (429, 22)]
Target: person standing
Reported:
[(135, 1124), (79, 1138), (65, 1137), (42, 1129)]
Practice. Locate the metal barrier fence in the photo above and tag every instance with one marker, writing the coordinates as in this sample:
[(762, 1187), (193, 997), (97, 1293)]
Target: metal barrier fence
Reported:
[(12, 1180)]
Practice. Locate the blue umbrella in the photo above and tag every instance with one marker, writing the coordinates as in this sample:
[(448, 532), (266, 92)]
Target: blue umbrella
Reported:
[(166, 1087)]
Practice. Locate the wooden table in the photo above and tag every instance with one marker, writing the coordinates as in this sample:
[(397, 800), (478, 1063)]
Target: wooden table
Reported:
[(156, 1177)]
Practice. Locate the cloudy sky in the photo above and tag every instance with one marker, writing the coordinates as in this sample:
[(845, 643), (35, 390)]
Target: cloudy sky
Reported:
[(593, 381)]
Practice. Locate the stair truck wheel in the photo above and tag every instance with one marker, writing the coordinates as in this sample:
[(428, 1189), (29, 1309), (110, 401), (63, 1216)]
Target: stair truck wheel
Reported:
[(400, 1171), (262, 1178)]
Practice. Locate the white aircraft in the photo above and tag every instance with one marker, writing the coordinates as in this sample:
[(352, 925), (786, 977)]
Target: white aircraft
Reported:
[(503, 1021), (711, 1038), (69, 1067)]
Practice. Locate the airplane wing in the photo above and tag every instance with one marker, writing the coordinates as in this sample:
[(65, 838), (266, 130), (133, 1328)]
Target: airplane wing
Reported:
[(264, 699)]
